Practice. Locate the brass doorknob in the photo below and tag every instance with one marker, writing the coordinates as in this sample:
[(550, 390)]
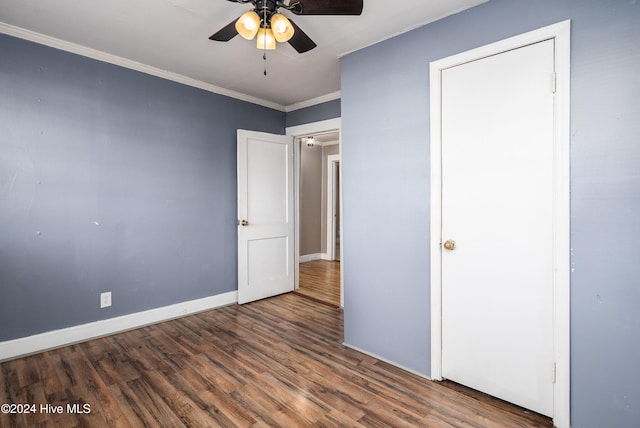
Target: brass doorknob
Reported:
[(244, 223), (450, 245)]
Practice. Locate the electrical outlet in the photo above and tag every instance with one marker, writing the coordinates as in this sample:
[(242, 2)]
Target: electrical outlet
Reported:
[(105, 299)]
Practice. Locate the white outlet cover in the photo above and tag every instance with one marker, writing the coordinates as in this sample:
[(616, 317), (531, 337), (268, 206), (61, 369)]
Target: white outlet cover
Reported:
[(105, 299)]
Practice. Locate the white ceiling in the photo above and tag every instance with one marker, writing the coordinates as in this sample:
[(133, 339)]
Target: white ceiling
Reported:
[(172, 35)]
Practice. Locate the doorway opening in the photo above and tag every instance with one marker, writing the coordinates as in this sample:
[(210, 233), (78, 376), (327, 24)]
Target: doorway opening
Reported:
[(318, 226)]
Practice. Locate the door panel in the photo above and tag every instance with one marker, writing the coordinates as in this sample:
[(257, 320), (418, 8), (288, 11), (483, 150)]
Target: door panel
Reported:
[(267, 180), (265, 202), (497, 194)]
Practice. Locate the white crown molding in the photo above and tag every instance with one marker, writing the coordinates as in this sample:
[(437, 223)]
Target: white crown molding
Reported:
[(127, 63), (55, 339), (314, 101)]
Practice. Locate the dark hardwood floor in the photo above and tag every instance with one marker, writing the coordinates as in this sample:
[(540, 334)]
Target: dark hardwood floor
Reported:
[(278, 362), (320, 281)]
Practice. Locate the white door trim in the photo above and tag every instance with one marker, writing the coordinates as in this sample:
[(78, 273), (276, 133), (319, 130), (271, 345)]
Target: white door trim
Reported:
[(331, 224), (561, 32), (297, 132)]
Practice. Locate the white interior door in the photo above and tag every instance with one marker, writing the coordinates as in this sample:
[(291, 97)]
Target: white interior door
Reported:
[(265, 215), (497, 206)]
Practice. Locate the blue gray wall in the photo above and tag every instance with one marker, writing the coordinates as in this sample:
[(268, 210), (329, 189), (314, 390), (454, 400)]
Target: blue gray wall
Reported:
[(385, 116), (316, 113), (111, 180)]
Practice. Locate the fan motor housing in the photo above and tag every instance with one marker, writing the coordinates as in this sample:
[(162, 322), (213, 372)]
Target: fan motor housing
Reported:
[(270, 5)]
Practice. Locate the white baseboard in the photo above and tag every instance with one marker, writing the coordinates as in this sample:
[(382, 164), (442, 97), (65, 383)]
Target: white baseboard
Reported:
[(316, 256), (377, 357), (311, 257), (54, 339)]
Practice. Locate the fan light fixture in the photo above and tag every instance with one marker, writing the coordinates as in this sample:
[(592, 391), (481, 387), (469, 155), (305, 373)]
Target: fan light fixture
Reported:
[(248, 25), (282, 28), (277, 28), (265, 39), (265, 14)]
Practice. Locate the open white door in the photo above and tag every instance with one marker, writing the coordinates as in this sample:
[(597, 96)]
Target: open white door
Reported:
[(265, 215)]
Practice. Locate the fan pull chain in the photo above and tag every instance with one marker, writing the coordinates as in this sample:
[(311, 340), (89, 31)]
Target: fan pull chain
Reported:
[(264, 57), (264, 44)]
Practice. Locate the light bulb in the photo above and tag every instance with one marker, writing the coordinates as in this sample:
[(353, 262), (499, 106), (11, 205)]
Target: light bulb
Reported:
[(248, 25), (282, 28), (265, 39)]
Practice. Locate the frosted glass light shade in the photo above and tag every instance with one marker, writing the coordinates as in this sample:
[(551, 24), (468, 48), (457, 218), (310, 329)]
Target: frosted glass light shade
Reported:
[(282, 28), (248, 25), (265, 39)]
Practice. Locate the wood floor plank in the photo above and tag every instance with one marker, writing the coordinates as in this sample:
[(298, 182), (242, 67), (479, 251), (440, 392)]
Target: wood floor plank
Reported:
[(49, 378), (186, 403), (88, 388), (277, 362), (320, 281), (27, 370), (133, 410), (200, 383), (156, 410)]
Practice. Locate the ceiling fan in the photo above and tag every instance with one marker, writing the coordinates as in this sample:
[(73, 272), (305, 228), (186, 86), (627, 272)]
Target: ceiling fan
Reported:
[(265, 22)]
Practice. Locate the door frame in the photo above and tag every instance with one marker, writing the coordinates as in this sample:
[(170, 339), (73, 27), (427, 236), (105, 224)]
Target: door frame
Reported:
[(561, 32), (331, 198), (298, 131)]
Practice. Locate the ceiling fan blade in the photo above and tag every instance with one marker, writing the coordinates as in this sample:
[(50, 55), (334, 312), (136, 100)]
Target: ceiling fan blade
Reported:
[(327, 7), (226, 33), (300, 41)]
